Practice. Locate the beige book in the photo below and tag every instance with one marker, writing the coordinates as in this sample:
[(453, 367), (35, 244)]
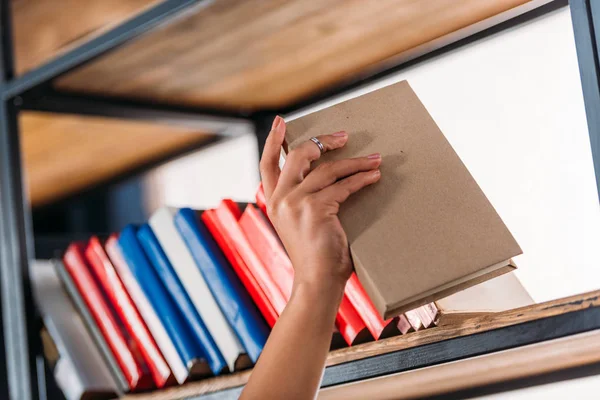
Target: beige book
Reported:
[(425, 230)]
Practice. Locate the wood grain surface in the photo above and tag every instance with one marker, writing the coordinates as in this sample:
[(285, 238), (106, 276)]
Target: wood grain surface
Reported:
[(456, 326), (536, 359), (251, 54), (65, 153), (44, 29)]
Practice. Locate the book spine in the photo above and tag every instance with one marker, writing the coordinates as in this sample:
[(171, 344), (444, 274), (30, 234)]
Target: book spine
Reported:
[(181, 262), (229, 214), (156, 327), (268, 248), (239, 266), (189, 349), (92, 328), (195, 324), (264, 240), (233, 300), (124, 349), (106, 275), (364, 307)]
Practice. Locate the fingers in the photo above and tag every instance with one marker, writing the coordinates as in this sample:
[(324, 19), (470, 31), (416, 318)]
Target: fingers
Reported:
[(341, 190), (269, 163), (327, 174), (297, 163)]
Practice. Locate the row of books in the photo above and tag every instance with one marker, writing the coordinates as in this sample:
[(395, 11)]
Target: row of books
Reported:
[(187, 295)]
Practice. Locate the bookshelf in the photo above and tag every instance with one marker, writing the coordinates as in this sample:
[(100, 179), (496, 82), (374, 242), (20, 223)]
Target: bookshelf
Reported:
[(130, 70)]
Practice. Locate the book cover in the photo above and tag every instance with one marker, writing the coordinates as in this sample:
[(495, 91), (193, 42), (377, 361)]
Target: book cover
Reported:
[(153, 322), (267, 245), (188, 347), (109, 280), (234, 301), (124, 349), (226, 243), (80, 370), (229, 214), (425, 230), (158, 259), (92, 328), (180, 258)]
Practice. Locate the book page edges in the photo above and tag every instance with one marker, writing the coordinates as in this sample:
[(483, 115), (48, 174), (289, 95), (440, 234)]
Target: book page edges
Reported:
[(446, 289)]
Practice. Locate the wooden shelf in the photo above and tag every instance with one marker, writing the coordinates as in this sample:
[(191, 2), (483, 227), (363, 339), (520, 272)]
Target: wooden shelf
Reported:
[(452, 329), (257, 55), (44, 29), (67, 153)]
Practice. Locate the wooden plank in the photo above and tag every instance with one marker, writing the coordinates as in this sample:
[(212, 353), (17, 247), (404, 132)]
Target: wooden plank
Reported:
[(268, 54), (66, 153), (540, 358), (457, 328), (44, 29)]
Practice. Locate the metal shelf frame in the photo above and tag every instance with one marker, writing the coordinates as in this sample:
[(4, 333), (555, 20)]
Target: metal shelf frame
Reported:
[(22, 375)]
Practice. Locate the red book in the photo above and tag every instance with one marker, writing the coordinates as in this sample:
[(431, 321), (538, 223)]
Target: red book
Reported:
[(120, 301), (228, 214), (122, 346), (264, 240), (218, 230), (261, 200), (364, 307)]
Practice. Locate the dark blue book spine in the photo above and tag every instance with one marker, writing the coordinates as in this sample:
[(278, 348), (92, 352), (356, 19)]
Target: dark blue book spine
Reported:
[(168, 313), (232, 298), (169, 278)]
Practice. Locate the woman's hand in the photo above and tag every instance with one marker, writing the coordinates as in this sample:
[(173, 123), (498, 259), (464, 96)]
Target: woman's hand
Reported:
[(303, 204)]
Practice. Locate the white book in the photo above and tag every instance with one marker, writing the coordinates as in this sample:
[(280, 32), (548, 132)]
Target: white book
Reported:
[(163, 225), (155, 326), (502, 293), (80, 371)]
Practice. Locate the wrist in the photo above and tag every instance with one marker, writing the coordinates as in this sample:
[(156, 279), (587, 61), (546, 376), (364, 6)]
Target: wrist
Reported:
[(322, 291)]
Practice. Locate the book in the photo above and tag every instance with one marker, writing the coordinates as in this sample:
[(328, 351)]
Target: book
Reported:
[(198, 289), (124, 349), (80, 370), (109, 280), (92, 328), (181, 298), (219, 232), (503, 293), (229, 214), (234, 302), (424, 231), (153, 322), (188, 348), (269, 248)]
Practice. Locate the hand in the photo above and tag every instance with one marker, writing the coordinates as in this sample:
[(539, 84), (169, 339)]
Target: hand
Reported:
[(303, 204)]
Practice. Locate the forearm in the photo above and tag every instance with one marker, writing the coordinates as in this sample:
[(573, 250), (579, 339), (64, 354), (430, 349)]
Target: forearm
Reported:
[(291, 365)]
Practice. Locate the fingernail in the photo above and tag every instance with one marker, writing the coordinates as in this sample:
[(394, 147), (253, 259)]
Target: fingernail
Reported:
[(340, 134), (374, 156), (376, 173), (276, 122)]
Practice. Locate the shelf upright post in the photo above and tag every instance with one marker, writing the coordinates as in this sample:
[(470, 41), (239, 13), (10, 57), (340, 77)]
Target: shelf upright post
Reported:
[(18, 313)]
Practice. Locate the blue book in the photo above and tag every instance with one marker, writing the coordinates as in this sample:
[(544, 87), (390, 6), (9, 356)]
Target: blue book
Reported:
[(234, 301), (189, 350), (169, 278)]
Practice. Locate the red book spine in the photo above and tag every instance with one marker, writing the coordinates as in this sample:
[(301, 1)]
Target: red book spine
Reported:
[(228, 213), (120, 301), (261, 200), (264, 240), (227, 245), (365, 308), (269, 249), (122, 346)]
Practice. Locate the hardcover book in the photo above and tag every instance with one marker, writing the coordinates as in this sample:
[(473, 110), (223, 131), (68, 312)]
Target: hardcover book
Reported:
[(424, 231)]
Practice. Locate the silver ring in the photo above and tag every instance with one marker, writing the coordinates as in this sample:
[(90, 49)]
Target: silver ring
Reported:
[(318, 143)]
